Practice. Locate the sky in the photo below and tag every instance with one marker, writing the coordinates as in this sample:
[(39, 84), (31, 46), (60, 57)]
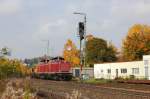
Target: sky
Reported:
[(26, 24)]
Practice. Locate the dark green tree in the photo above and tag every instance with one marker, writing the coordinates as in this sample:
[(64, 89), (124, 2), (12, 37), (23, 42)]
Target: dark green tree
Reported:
[(98, 51), (111, 53)]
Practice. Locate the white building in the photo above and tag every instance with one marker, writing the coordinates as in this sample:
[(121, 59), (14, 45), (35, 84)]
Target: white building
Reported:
[(140, 69)]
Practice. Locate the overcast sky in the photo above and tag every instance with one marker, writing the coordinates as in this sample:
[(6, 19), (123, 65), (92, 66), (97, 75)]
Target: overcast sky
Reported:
[(24, 24)]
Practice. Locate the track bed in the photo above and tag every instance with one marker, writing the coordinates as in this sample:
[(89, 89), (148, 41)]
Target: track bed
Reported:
[(57, 89)]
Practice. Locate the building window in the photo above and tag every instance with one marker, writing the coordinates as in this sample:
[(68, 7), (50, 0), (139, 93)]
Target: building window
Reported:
[(135, 70), (124, 70), (146, 62), (108, 71)]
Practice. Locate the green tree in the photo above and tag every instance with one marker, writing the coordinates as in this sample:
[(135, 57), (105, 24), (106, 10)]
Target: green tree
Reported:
[(97, 51), (111, 53), (137, 42), (5, 51)]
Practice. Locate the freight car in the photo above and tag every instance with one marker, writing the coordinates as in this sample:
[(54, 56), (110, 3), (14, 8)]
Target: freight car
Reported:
[(55, 69)]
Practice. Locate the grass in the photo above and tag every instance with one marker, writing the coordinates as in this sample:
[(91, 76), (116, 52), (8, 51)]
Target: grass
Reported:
[(97, 81)]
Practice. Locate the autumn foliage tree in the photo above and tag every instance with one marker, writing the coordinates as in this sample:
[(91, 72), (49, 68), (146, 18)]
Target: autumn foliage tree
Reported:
[(71, 53), (12, 68), (98, 51), (137, 42)]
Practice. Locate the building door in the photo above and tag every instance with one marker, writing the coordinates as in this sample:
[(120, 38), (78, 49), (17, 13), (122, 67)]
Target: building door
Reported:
[(77, 72), (146, 72), (146, 69), (116, 73)]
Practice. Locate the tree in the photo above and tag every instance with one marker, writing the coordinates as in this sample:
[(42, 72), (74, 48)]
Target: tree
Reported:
[(71, 53), (89, 37), (97, 51), (5, 51), (111, 52), (12, 68), (137, 42), (31, 62)]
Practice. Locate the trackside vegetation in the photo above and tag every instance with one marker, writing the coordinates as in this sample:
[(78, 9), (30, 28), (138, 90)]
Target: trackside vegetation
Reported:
[(12, 68), (97, 81)]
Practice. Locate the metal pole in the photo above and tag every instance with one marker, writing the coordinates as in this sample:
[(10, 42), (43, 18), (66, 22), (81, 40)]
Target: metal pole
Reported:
[(80, 51), (80, 56), (85, 40), (84, 48)]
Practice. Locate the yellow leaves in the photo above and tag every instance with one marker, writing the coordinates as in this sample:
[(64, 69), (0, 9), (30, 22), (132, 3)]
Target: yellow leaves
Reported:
[(76, 60), (139, 29), (135, 29), (3, 61), (136, 43), (24, 70), (70, 53), (12, 67)]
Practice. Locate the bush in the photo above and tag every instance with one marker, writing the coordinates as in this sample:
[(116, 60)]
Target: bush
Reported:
[(97, 81), (12, 68), (119, 78), (131, 77)]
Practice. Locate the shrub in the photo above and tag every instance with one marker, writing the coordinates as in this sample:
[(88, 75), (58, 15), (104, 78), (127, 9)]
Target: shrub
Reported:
[(131, 77), (119, 78), (12, 68)]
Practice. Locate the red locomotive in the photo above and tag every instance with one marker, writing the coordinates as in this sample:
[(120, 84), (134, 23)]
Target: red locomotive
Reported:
[(56, 69)]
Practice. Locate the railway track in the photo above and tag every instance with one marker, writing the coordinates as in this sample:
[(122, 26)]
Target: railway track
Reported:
[(87, 91)]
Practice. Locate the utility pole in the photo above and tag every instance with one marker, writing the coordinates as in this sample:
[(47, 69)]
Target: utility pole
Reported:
[(47, 47)]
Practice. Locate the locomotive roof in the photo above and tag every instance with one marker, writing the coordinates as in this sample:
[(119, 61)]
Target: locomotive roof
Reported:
[(58, 58)]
